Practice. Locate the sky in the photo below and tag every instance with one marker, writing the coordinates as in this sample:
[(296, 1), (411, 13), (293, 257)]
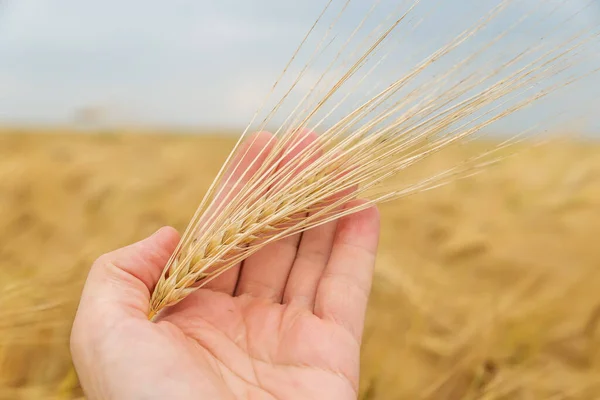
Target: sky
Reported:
[(185, 62)]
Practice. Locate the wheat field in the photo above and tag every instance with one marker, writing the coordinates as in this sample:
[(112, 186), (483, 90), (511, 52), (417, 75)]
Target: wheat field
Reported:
[(487, 288)]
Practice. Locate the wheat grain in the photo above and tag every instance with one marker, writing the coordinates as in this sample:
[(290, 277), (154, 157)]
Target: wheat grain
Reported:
[(299, 180)]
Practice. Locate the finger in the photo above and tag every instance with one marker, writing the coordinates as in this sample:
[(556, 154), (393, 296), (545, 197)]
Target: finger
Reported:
[(312, 257), (245, 164), (344, 289), (314, 252), (120, 283), (265, 273)]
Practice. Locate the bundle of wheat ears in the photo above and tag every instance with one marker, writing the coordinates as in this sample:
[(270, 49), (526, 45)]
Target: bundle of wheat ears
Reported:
[(274, 185)]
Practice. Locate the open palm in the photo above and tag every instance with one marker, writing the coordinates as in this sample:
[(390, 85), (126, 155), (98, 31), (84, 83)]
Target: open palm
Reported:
[(286, 324)]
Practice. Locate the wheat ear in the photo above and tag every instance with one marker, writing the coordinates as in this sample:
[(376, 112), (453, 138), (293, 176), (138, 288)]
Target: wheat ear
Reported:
[(276, 185)]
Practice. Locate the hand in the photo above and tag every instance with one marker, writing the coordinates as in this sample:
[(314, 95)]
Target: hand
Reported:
[(286, 324)]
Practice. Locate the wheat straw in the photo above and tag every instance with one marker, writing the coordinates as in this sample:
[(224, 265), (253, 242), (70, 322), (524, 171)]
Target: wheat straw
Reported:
[(300, 180)]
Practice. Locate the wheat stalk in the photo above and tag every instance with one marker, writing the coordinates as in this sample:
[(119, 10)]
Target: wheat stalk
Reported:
[(299, 180)]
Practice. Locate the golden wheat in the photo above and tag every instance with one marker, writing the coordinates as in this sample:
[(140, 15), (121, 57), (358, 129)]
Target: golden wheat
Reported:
[(284, 183)]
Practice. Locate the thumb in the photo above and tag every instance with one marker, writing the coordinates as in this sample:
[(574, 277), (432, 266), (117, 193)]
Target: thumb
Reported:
[(120, 283)]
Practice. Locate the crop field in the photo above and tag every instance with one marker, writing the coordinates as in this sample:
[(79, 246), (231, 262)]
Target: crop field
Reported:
[(486, 288)]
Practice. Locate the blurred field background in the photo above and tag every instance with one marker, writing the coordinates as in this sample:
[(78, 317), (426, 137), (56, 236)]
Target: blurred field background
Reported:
[(488, 288)]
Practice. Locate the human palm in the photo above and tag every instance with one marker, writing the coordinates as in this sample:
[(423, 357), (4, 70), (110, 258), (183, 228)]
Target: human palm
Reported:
[(285, 324), (257, 349)]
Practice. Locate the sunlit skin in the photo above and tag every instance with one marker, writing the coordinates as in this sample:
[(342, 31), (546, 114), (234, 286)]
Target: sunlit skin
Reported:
[(286, 324)]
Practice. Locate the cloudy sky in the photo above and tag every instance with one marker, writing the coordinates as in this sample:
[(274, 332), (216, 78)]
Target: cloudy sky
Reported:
[(176, 62)]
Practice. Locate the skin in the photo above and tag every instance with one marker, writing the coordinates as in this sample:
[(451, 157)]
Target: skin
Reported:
[(286, 324)]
